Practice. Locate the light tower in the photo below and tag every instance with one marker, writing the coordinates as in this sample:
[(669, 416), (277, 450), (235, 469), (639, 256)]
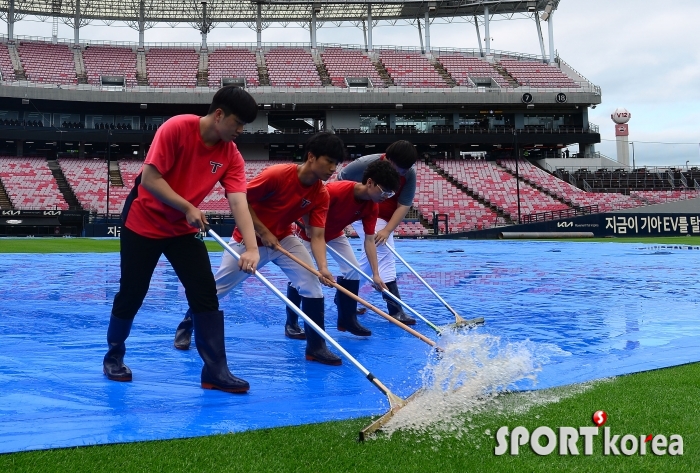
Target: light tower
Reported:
[(621, 116)]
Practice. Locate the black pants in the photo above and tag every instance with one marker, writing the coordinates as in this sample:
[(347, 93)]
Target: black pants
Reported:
[(139, 257)]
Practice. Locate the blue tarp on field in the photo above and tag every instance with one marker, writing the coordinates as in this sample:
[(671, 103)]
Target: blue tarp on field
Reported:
[(610, 308)]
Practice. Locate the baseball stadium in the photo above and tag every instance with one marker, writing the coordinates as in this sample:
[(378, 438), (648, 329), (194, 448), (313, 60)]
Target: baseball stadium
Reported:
[(546, 314)]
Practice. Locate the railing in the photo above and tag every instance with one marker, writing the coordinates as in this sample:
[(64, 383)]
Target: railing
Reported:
[(595, 87), (315, 90), (559, 214)]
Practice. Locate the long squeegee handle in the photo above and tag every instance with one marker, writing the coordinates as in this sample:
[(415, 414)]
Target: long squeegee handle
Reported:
[(290, 304)]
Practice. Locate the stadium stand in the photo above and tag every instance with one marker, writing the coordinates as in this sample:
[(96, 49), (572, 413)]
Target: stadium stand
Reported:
[(48, 63), (435, 194), (88, 180), (30, 184), (110, 61), (233, 63), (661, 197), (342, 63), (172, 67), (6, 67), (291, 67), (498, 187), (461, 68), (537, 74), (411, 69), (576, 197)]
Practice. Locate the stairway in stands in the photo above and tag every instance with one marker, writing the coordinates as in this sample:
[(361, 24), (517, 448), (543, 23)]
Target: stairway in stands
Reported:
[(511, 81), (203, 69), (321, 68), (263, 74), (446, 76), (115, 175), (383, 73), (5, 202), (525, 181), (471, 193), (66, 191)]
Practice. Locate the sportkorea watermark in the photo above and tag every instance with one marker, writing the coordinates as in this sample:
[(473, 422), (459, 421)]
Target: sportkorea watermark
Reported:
[(577, 440)]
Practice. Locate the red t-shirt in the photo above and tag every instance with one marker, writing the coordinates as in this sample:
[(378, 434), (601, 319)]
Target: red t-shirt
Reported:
[(191, 168), (279, 199), (345, 209)]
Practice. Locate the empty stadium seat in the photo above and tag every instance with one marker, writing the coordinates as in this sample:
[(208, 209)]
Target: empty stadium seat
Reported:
[(110, 61), (231, 63), (30, 184), (411, 69), (48, 63), (291, 67), (172, 67)]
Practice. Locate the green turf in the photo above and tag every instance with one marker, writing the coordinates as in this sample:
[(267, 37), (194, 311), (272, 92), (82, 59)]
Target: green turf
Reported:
[(655, 402), (89, 245)]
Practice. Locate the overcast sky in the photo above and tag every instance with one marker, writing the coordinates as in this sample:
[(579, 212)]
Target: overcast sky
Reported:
[(644, 57)]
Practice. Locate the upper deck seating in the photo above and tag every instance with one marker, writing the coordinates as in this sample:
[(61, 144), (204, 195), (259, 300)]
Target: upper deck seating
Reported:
[(6, 67), (411, 69), (231, 63), (537, 74), (110, 61), (48, 63), (30, 184), (461, 68), (342, 63), (291, 67), (171, 67)]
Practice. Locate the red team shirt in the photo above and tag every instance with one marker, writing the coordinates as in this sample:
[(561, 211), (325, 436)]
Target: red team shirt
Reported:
[(279, 199), (345, 209), (191, 168)]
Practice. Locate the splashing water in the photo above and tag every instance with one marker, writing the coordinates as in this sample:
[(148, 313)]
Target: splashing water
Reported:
[(467, 376)]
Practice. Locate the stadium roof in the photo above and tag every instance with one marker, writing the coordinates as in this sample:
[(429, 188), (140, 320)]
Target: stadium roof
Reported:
[(271, 11)]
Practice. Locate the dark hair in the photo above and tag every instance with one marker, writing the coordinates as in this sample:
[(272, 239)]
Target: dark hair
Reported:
[(402, 153), (382, 173), (325, 144), (234, 100)]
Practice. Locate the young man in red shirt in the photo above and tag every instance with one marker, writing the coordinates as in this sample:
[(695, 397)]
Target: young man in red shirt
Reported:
[(402, 155), (188, 156), (354, 202), (277, 197)]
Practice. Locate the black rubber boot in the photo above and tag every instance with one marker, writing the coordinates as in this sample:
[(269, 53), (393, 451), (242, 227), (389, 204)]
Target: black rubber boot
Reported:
[(113, 364), (291, 326), (347, 309), (316, 349), (395, 310), (183, 334), (209, 338)]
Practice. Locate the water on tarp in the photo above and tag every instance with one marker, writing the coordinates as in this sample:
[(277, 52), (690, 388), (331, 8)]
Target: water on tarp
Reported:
[(471, 369), (553, 318)]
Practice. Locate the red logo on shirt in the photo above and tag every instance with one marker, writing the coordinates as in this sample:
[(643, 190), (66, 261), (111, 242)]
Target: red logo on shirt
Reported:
[(214, 166), (304, 203)]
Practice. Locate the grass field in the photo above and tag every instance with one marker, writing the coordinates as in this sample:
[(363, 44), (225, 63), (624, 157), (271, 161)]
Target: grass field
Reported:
[(656, 402)]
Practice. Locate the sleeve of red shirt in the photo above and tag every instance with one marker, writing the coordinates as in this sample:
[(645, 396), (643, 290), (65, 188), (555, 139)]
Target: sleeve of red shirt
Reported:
[(369, 221), (317, 216), (234, 178), (262, 185), (163, 149)]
